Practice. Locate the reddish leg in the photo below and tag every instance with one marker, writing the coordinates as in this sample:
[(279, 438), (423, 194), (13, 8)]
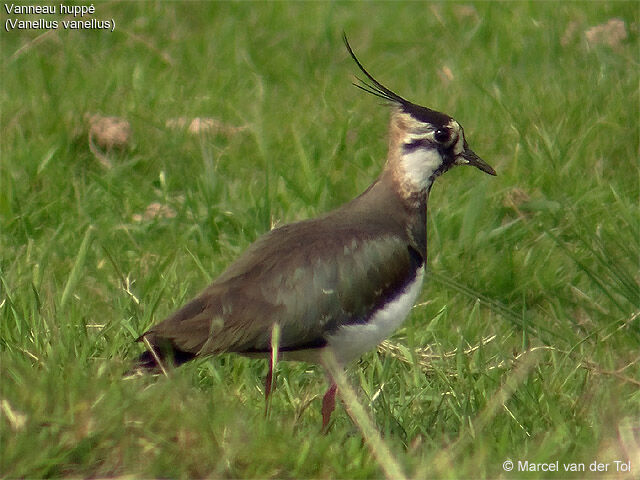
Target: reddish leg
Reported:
[(328, 405)]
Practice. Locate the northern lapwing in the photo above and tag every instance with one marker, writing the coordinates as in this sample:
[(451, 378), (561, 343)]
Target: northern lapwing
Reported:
[(339, 283)]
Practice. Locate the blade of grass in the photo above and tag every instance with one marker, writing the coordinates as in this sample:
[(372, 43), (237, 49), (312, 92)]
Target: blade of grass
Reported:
[(74, 276), (372, 437)]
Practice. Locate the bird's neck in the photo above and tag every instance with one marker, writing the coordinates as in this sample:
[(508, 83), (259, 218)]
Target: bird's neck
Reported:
[(397, 200), (411, 171), (401, 212)]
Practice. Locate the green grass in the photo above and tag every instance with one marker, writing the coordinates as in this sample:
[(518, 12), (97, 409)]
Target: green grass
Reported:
[(524, 343)]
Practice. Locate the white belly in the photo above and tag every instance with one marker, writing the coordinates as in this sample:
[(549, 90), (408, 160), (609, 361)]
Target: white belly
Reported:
[(351, 341)]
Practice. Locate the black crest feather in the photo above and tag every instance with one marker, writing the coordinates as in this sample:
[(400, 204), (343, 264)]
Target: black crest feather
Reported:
[(374, 87)]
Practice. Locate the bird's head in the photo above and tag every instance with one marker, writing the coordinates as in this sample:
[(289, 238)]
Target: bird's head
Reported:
[(423, 143)]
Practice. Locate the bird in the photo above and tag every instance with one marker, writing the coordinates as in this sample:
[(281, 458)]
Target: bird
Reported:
[(340, 283)]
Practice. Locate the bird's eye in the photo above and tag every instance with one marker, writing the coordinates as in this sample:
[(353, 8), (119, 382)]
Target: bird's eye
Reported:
[(442, 135)]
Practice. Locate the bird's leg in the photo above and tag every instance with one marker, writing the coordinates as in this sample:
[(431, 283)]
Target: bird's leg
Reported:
[(328, 405)]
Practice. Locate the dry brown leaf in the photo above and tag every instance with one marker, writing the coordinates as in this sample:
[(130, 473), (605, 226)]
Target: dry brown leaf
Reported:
[(445, 74), (153, 211), (612, 33), (465, 11), (107, 134), (203, 125), (569, 33)]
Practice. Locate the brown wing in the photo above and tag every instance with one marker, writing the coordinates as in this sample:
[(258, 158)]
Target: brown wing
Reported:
[(308, 277)]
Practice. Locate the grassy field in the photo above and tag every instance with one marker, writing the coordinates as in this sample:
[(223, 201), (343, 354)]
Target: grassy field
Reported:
[(524, 343)]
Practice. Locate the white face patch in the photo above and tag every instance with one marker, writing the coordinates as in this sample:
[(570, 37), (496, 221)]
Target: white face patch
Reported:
[(424, 149), (419, 165), (456, 130)]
